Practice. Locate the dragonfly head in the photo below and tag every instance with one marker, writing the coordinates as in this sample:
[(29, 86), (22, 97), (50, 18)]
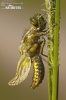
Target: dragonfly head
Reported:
[(38, 21)]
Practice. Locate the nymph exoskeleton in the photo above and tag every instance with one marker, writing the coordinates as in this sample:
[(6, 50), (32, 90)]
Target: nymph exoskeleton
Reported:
[(31, 49)]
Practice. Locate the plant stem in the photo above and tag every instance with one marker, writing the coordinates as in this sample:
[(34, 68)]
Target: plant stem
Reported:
[(56, 52), (53, 13)]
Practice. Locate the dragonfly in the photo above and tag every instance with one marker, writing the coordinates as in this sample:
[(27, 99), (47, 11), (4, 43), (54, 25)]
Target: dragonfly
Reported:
[(31, 50)]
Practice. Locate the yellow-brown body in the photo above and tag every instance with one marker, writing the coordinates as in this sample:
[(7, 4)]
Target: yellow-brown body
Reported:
[(31, 48)]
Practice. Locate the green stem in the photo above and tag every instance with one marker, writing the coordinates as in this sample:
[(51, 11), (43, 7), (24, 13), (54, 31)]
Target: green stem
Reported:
[(53, 47), (56, 52)]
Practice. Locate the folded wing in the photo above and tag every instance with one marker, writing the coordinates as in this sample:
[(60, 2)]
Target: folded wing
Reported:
[(22, 71)]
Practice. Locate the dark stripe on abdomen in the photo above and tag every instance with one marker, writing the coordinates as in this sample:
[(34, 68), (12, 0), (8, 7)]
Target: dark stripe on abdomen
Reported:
[(38, 71)]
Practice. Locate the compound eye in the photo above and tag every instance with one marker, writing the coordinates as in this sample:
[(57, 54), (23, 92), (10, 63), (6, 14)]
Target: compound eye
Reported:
[(33, 21)]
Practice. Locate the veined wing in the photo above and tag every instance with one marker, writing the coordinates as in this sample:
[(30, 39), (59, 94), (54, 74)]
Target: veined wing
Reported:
[(22, 71)]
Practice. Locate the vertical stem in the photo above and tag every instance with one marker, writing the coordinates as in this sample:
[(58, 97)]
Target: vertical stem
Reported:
[(56, 52), (53, 46), (50, 47)]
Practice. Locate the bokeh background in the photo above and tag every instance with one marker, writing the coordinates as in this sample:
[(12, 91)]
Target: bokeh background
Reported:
[(12, 26)]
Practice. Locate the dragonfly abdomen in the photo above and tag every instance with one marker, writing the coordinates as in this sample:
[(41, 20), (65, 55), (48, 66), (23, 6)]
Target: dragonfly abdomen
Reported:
[(38, 71)]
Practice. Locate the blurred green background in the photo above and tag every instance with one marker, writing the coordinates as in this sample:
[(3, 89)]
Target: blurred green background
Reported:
[(12, 26)]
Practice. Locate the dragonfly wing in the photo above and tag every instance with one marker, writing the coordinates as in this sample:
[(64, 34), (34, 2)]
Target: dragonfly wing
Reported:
[(22, 71)]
